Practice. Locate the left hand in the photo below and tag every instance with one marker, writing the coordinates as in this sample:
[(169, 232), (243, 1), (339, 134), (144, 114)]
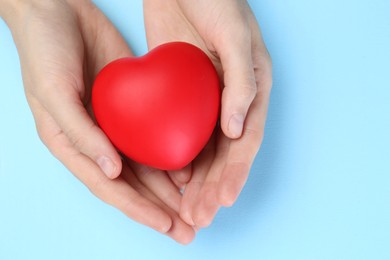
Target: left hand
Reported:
[(62, 45), (228, 33)]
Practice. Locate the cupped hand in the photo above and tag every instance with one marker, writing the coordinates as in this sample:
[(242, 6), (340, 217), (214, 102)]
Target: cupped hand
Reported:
[(62, 46), (229, 34)]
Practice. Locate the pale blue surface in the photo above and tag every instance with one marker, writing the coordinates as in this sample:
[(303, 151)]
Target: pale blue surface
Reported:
[(320, 187)]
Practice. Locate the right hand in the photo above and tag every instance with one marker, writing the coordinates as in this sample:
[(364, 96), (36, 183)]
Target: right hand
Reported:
[(62, 46), (228, 32)]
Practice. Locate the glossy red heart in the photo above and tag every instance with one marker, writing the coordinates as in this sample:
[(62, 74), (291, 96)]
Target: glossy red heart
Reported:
[(159, 109)]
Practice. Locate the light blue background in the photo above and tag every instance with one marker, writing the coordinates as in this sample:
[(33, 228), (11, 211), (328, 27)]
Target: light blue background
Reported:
[(319, 189)]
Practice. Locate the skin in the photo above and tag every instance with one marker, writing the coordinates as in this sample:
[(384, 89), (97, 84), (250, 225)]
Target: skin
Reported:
[(229, 33), (62, 46)]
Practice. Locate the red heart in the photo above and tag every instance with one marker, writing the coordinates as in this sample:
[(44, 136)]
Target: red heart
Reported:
[(160, 109)]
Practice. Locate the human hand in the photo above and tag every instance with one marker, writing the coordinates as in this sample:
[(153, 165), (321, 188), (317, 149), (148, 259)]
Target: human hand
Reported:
[(229, 34), (62, 46)]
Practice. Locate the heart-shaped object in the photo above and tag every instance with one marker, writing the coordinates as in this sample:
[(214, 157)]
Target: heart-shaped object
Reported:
[(159, 109)]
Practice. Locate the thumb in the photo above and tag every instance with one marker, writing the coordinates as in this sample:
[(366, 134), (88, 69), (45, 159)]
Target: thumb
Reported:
[(240, 85), (65, 106)]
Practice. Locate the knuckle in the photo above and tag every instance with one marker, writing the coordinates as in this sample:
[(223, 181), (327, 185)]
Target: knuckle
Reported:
[(256, 135), (263, 71), (79, 137), (75, 138), (267, 58), (263, 78), (250, 88), (144, 171), (46, 139), (266, 85), (48, 134), (169, 196), (127, 206), (97, 187), (240, 166), (248, 91), (43, 136)]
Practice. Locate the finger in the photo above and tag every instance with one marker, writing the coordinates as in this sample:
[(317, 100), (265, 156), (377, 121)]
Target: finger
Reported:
[(241, 154), (178, 184), (159, 183), (181, 177), (179, 231), (200, 166), (71, 116), (114, 192), (206, 205), (239, 80), (243, 151)]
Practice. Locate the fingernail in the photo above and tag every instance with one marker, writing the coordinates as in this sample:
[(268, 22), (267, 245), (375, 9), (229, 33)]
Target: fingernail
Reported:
[(235, 125), (166, 228), (107, 166)]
